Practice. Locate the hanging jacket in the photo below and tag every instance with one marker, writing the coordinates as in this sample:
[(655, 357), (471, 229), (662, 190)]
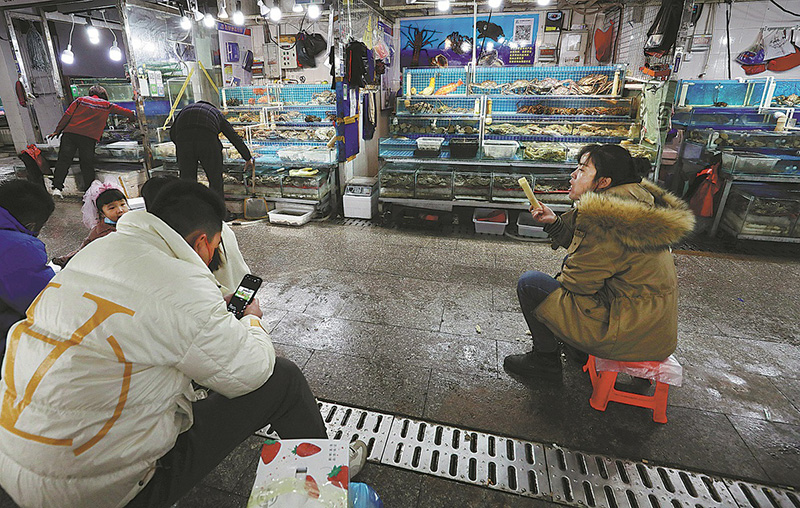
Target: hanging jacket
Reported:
[(619, 289), (23, 272), (355, 72), (126, 339)]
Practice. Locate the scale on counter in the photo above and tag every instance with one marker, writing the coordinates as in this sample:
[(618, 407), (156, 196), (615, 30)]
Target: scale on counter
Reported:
[(361, 198)]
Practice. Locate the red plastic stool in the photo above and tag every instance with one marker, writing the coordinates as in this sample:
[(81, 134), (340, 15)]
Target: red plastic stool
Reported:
[(603, 390)]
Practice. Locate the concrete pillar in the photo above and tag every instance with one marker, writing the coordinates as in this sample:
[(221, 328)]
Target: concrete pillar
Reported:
[(19, 119)]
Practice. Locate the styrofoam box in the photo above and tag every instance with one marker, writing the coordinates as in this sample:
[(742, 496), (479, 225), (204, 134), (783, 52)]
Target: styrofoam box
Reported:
[(526, 226), (489, 228), (290, 214), (130, 181)]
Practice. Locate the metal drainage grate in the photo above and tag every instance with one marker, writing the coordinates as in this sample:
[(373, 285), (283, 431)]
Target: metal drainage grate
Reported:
[(596, 480), (536, 470), (472, 457), (350, 423), (760, 496)]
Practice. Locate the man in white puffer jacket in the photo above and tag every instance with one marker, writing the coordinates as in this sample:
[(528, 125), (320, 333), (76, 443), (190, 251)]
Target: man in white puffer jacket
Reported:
[(98, 407)]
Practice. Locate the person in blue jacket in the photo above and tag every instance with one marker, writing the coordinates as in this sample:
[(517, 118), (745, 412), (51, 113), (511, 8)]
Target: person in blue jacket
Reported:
[(24, 208)]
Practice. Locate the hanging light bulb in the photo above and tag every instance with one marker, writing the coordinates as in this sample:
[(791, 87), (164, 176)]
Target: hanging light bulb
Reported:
[(67, 56), (494, 4), (542, 3), (314, 11), (114, 52), (186, 23), (92, 32), (223, 13), (443, 5), (208, 20), (275, 13), (297, 8), (238, 15)]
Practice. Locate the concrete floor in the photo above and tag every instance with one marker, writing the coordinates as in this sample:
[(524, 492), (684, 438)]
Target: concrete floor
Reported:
[(385, 319)]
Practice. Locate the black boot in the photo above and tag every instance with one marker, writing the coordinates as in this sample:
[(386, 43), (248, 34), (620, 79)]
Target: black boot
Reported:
[(575, 354), (534, 365)]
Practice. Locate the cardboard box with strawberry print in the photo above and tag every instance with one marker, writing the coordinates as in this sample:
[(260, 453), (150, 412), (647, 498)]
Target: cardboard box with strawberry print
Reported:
[(301, 473)]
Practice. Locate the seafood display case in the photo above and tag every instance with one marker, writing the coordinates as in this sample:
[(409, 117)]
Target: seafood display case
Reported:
[(722, 93), (499, 123), (286, 127), (755, 211)]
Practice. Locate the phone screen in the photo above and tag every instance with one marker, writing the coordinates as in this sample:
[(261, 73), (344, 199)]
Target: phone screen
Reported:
[(244, 294)]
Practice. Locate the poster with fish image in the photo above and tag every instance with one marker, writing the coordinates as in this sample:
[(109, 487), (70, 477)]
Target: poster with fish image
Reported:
[(502, 39)]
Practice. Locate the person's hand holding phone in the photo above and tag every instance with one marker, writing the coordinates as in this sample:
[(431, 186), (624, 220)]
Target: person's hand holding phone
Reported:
[(253, 309)]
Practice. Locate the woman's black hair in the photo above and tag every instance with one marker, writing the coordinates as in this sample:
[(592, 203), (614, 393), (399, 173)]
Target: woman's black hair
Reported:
[(615, 162), (108, 196)]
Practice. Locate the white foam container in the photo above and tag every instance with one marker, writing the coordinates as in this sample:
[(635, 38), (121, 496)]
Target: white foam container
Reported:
[(489, 228), (290, 214), (526, 226), (499, 148), (429, 143)]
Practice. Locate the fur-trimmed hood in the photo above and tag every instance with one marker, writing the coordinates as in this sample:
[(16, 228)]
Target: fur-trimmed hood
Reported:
[(641, 216)]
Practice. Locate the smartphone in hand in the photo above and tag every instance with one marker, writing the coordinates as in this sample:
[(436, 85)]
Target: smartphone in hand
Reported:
[(244, 294)]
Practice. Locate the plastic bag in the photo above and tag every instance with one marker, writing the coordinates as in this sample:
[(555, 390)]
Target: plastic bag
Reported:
[(361, 495), (753, 55), (776, 44), (669, 371)]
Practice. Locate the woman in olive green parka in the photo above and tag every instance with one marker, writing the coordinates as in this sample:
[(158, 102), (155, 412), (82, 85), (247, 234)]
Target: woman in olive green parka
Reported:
[(617, 294)]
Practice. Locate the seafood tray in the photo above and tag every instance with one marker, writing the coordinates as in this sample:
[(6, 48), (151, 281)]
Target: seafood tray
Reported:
[(247, 117), (637, 150), (397, 183), (761, 212), (526, 128), (128, 150), (552, 189), (434, 185), (593, 84), (305, 187), (506, 187), (476, 186), (234, 185), (417, 126), (786, 141), (544, 152), (437, 105), (312, 154), (612, 108), (266, 184)]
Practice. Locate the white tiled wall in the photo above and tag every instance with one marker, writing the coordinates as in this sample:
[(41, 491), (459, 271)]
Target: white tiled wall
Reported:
[(747, 18)]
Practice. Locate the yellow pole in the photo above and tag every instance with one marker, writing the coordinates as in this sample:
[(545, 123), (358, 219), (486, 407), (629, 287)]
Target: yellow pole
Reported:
[(209, 77), (178, 98)]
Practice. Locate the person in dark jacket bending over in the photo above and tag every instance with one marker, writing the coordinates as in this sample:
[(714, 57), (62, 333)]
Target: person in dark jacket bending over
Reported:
[(82, 127), (24, 208), (617, 294), (195, 133)]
